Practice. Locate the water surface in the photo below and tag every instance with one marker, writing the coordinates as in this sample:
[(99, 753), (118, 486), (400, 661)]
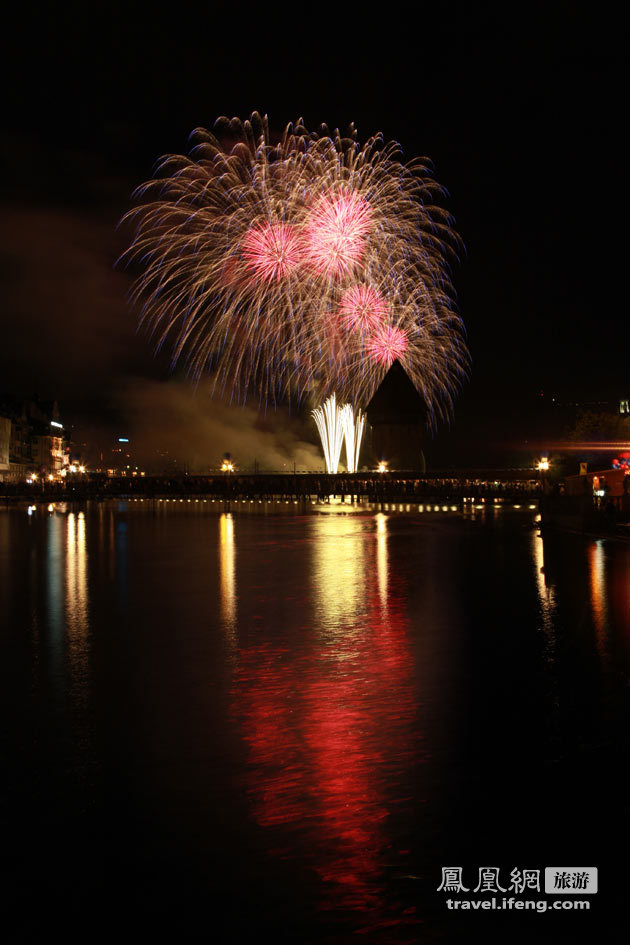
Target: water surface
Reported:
[(223, 725)]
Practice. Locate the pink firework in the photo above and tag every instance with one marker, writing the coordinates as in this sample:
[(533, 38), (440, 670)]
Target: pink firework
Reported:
[(336, 233), (386, 344), (362, 308), (272, 250)]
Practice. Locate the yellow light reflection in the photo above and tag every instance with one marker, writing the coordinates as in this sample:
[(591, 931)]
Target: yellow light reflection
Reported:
[(227, 578), (77, 602), (339, 570), (54, 601), (381, 558), (546, 595), (599, 605)]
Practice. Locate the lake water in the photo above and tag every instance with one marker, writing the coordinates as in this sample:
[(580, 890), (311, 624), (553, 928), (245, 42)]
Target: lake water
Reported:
[(229, 726)]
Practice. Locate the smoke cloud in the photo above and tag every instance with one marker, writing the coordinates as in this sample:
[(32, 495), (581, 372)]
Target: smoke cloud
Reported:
[(172, 421)]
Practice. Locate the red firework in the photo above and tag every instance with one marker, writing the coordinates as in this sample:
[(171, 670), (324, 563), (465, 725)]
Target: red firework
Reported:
[(336, 233), (272, 250), (362, 308), (386, 344)]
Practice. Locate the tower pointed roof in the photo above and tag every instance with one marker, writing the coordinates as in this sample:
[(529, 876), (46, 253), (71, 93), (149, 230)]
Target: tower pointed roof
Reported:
[(396, 400)]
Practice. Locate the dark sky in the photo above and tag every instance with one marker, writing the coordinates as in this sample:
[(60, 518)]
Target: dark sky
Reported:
[(521, 109)]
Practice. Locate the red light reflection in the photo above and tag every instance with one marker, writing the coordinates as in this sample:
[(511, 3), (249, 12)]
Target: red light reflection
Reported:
[(331, 725)]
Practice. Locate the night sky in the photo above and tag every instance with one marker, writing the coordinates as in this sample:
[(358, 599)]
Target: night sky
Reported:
[(522, 114)]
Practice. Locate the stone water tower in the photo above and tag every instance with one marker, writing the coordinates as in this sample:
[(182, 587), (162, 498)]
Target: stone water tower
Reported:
[(397, 416)]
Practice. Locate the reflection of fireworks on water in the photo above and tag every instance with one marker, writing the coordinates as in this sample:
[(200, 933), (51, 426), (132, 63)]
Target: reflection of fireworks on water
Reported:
[(307, 265), (337, 424)]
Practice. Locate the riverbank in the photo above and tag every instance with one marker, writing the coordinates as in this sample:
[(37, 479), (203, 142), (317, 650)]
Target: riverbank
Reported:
[(581, 515)]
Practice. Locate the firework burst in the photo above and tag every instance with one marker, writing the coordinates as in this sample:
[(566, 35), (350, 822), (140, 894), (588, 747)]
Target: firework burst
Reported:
[(272, 250), (331, 424), (336, 234), (363, 309), (353, 430), (299, 267), (338, 424), (386, 344)]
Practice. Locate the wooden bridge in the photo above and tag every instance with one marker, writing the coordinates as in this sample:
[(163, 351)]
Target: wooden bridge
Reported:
[(376, 487)]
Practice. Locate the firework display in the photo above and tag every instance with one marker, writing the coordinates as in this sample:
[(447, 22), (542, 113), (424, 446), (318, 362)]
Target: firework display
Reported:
[(337, 425), (353, 430), (292, 268), (330, 420)]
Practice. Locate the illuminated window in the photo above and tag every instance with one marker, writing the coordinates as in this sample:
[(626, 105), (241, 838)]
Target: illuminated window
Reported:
[(624, 406)]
